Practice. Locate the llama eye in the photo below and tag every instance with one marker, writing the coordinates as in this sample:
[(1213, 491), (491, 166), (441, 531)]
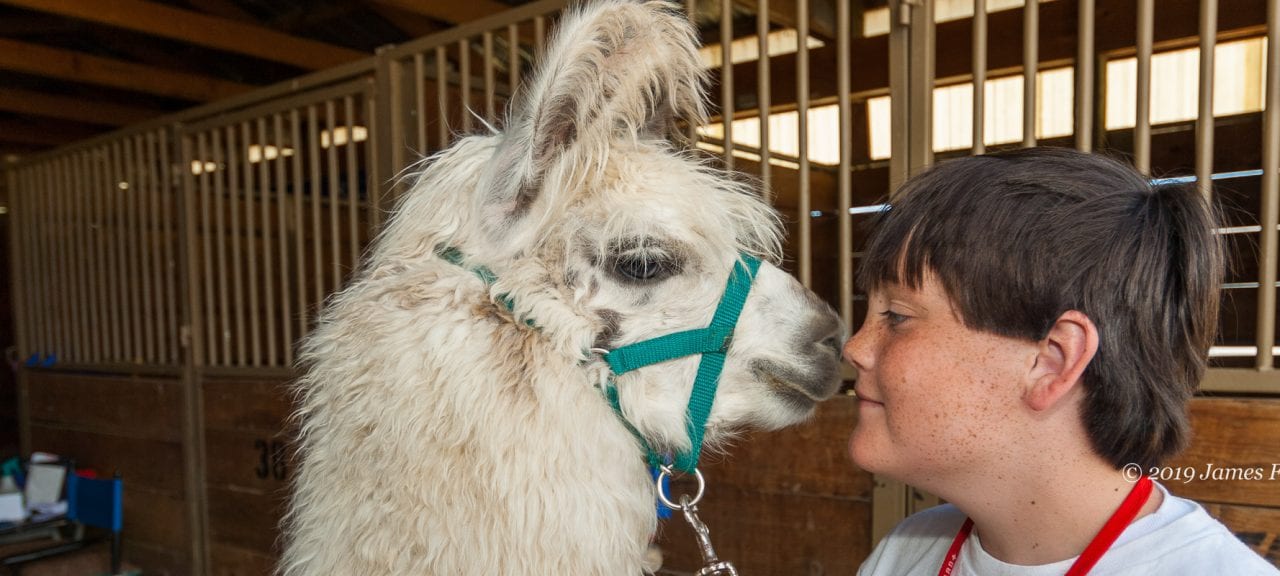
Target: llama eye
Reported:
[(642, 267)]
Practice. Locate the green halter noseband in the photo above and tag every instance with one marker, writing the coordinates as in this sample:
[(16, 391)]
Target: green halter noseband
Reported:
[(711, 342)]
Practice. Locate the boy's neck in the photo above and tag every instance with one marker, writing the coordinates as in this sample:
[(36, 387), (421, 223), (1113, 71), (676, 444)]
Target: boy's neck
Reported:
[(1048, 513)]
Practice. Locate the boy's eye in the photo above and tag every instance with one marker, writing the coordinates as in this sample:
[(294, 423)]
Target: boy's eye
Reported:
[(893, 318)]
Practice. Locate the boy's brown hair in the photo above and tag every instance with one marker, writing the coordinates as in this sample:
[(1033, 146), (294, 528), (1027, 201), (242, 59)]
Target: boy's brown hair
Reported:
[(1017, 238)]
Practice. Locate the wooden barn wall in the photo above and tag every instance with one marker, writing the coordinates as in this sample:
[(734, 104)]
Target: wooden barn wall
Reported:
[(126, 424)]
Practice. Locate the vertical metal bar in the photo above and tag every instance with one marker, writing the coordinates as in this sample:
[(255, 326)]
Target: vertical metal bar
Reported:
[(331, 156), (141, 290), (899, 97), (118, 206), (90, 281), (31, 243), (98, 242), (57, 257), (1084, 77), (193, 185), (299, 233), (268, 268), (50, 306), (373, 179), (353, 186), (488, 77), (317, 188), (237, 286), (390, 89), (77, 170), (464, 77), (144, 192), (845, 181), (206, 240), (40, 231), (251, 240), (170, 235), (539, 34), (220, 240), (726, 78), (442, 97), (922, 82), (131, 193), (61, 259), (282, 235), (1270, 210), (802, 117), (1030, 65), (18, 247), (763, 97), (420, 100), (980, 76), (84, 243), (513, 62), (155, 240), (1204, 119), (1142, 119), (194, 453)]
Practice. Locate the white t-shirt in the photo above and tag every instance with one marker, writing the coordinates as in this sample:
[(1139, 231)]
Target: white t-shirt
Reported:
[(1180, 538)]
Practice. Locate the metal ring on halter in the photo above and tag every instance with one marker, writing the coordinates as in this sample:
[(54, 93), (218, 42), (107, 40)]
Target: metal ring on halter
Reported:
[(666, 500), (600, 351)]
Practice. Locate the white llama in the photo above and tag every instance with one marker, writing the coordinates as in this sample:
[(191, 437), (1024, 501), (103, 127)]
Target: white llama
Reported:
[(456, 426)]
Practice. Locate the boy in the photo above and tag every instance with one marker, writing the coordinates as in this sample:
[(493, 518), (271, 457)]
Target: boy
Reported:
[(1038, 320)]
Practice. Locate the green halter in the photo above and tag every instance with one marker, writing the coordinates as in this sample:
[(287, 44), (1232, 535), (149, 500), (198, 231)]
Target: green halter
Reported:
[(711, 342)]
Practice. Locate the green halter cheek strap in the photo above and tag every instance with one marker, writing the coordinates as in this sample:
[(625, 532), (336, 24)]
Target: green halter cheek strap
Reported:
[(711, 342)]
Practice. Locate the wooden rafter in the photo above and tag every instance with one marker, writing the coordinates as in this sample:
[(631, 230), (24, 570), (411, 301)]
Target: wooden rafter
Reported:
[(413, 24), (68, 108), (200, 29), (40, 135), (77, 67), (822, 15), (451, 12)]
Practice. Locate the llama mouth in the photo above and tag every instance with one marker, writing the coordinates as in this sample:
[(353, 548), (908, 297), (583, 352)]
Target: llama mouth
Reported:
[(789, 389)]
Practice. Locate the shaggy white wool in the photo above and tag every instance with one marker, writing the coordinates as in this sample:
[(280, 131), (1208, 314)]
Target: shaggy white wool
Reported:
[(440, 434)]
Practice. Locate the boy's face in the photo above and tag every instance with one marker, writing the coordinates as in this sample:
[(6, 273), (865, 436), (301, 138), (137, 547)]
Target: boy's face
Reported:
[(934, 397)]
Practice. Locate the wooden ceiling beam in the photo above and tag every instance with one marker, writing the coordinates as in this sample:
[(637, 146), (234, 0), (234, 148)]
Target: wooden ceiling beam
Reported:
[(223, 9), (78, 67), (71, 108), (451, 12), (40, 135), (413, 24), (822, 15), (200, 29)]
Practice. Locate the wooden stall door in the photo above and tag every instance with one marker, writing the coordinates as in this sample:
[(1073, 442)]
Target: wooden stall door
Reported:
[(247, 471)]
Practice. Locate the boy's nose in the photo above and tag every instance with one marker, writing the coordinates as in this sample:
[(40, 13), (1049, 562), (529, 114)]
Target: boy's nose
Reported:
[(856, 351)]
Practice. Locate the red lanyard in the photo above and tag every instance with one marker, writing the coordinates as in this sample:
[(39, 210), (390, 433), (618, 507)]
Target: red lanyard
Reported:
[(1123, 516)]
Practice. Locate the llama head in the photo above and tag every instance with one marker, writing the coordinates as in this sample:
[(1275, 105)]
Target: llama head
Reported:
[(601, 229)]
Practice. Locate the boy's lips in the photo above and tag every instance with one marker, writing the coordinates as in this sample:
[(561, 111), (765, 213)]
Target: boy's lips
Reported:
[(865, 398)]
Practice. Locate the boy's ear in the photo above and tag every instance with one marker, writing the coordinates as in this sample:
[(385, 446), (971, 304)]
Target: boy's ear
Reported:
[(1061, 357)]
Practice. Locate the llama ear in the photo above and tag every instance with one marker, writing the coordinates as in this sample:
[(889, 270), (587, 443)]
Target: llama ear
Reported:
[(616, 69)]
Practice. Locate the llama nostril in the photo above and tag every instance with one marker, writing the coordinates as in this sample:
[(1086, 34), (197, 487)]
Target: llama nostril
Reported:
[(831, 342)]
